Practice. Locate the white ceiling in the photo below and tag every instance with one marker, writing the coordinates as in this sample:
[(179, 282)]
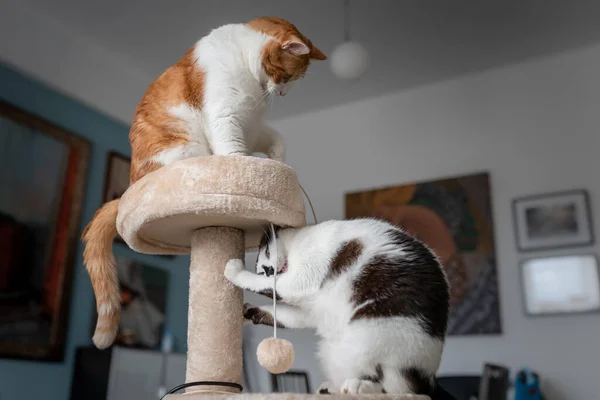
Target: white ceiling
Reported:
[(412, 42)]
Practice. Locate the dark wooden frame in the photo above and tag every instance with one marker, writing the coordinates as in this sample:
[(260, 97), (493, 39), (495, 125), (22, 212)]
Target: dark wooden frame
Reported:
[(64, 238), (588, 210), (275, 385), (553, 314)]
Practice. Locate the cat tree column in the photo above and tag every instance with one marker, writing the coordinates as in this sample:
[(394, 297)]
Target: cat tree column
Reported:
[(215, 208)]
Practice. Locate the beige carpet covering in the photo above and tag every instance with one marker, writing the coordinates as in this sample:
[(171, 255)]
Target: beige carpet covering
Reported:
[(158, 213)]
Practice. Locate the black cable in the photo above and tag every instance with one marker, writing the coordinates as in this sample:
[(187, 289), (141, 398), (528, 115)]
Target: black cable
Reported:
[(203, 383)]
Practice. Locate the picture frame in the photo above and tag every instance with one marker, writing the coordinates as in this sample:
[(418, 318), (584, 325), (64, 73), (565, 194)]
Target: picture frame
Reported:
[(291, 382), (553, 220), (144, 290), (116, 182), (42, 183), (558, 285)]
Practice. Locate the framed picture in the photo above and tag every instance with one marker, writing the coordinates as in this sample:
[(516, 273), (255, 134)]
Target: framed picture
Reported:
[(144, 291), (553, 220), (116, 180), (43, 172), (453, 216), (561, 285), (291, 382)]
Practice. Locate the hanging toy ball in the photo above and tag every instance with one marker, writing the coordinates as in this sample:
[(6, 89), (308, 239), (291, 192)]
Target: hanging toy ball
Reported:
[(275, 355)]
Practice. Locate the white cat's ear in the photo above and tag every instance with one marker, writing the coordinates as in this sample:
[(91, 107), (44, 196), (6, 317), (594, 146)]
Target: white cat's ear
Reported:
[(296, 47)]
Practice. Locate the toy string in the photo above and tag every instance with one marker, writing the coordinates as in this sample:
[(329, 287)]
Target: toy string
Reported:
[(276, 258), (310, 204)]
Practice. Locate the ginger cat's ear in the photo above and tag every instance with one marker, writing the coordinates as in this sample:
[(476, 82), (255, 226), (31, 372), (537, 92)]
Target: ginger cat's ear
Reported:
[(296, 47), (317, 54)]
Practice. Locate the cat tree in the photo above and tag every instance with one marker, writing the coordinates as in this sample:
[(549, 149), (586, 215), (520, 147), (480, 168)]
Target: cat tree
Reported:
[(214, 208)]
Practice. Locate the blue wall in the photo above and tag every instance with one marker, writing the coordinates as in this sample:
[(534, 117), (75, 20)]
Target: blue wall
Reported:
[(25, 380)]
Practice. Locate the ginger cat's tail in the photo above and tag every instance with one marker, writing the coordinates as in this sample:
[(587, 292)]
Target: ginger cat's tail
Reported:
[(100, 263)]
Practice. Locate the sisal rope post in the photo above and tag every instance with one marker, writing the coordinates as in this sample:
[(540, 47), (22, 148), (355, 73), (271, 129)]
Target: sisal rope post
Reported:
[(215, 310)]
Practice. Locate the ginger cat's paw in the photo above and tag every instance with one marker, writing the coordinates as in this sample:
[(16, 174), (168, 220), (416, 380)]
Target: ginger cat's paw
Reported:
[(277, 154)]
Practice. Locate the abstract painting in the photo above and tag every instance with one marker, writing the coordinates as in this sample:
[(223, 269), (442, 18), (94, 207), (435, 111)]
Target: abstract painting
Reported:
[(453, 217)]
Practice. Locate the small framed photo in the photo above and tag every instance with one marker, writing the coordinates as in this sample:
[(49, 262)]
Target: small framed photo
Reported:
[(116, 180), (561, 285), (553, 220), (143, 290), (291, 382)]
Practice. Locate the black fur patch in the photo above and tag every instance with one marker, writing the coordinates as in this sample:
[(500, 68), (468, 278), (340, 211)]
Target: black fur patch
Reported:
[(260, 317), (267, 238), (269, 293), (267, 270), (377, 378), (345, 256), (411, 285), (324, 391), (418, 381)]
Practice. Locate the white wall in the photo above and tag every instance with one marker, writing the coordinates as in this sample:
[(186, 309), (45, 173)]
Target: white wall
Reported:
[(69, 62), (534, 127)]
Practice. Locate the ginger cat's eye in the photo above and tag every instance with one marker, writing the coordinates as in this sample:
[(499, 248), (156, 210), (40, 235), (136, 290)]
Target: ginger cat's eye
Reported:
[(286, 78)]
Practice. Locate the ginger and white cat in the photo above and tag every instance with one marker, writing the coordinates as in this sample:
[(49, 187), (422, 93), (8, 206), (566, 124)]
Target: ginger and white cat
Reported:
[(377, 297), (211, 102)]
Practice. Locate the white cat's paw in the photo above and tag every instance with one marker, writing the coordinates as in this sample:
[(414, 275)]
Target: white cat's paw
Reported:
[(238, 153), (358, 386), (233, 269), (326, 388)]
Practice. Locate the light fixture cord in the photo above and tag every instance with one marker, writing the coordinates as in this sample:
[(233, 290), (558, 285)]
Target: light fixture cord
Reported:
[(346, 20)]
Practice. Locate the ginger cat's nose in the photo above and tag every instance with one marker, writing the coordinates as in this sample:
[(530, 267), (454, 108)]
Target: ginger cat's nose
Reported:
[(268, 270)]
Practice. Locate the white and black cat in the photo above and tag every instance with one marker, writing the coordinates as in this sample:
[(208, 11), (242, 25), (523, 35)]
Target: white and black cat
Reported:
[(377, 297)]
